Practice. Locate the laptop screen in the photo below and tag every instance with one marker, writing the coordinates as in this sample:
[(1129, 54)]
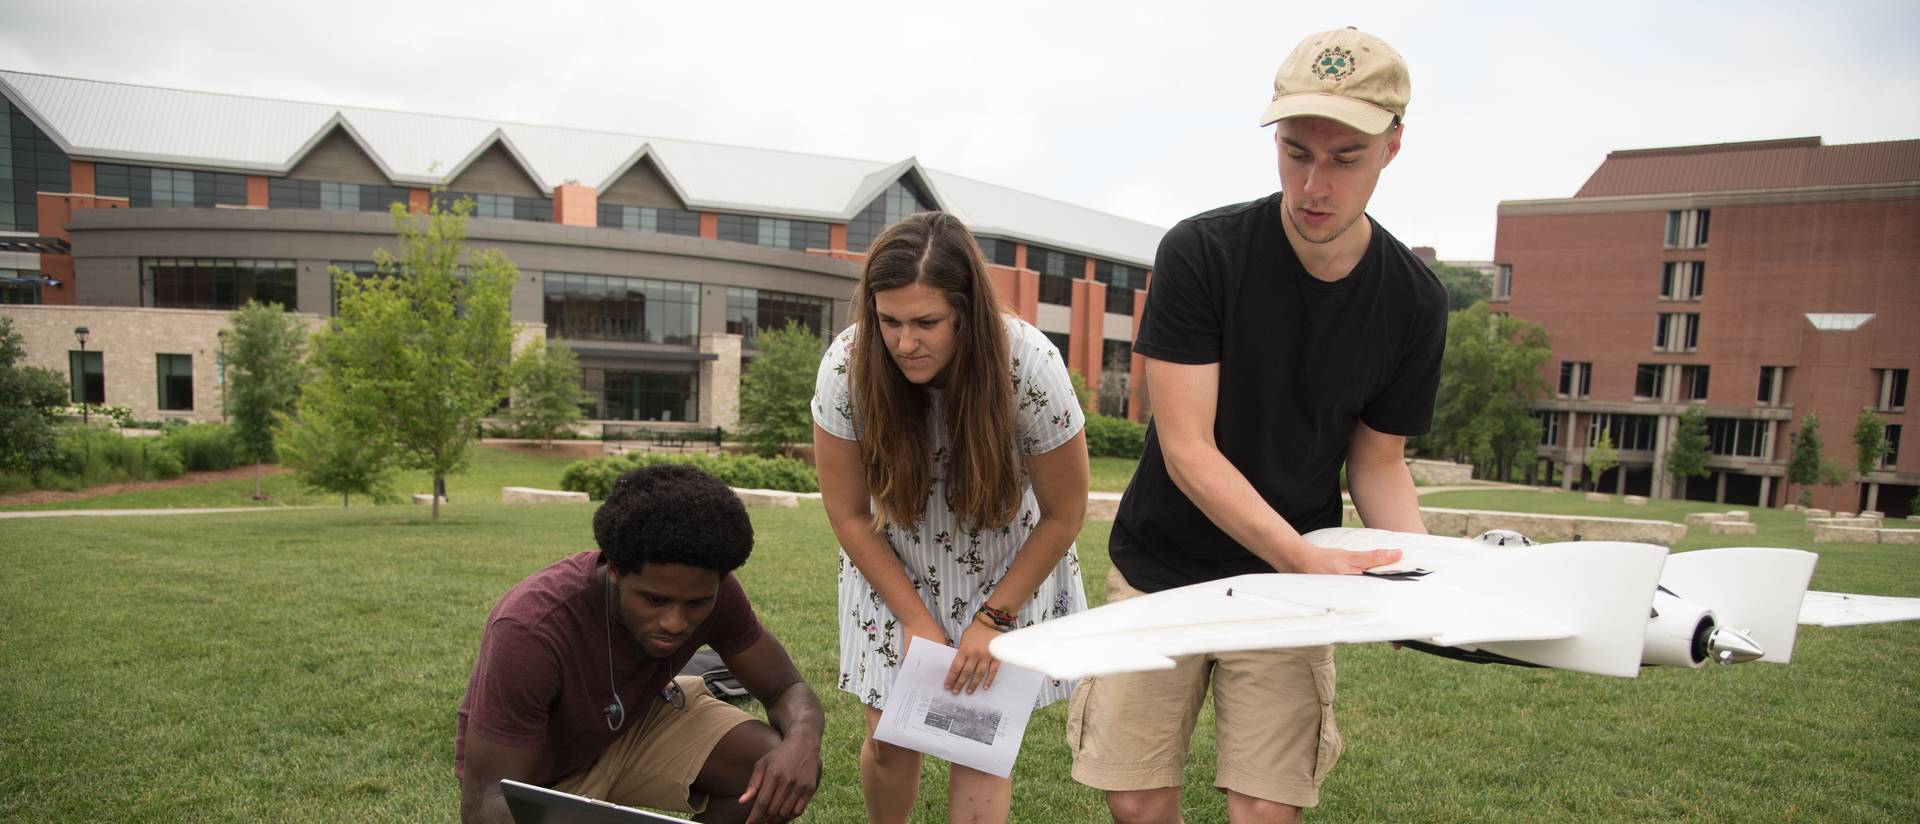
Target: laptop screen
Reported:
[(539, 805)]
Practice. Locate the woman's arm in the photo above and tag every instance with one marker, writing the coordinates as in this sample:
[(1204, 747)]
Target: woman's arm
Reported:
[(843, 490), (1060, 487)]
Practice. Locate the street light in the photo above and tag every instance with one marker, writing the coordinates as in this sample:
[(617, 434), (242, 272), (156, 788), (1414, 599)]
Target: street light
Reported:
[(80, 334)]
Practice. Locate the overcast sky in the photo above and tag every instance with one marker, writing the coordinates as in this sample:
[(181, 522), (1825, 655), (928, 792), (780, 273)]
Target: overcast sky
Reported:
[(1141, 109)]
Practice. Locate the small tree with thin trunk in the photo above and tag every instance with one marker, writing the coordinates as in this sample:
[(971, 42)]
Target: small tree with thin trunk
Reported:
[(264, 373), (1804, 464), (1687, 457), (325, 453), (1601, 458), (546, 394), (778, 387), (420, 351), (1869, 443)]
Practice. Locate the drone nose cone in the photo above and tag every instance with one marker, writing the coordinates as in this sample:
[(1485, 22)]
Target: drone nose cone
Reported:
[(1731, 646)]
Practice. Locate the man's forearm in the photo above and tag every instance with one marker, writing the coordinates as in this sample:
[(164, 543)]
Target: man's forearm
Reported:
[(1384, 495), (1228, 499), (797, 714)]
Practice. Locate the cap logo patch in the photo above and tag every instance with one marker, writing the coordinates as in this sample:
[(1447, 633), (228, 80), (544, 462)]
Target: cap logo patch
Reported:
[(1334, 64)]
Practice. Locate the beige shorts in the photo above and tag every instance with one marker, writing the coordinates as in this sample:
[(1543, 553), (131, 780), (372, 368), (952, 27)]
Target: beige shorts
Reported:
[(1273, 718), (654, 763)]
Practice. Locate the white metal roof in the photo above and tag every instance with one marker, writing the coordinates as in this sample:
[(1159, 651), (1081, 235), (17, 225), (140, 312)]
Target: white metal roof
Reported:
[(1838, 321), (116, 122)]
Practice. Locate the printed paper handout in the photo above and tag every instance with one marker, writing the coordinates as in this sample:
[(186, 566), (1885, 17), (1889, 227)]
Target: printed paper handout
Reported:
[(982, 730)]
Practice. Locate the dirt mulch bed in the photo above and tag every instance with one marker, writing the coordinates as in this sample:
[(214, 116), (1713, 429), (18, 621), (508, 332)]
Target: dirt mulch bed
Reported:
[(557, 449), (49, 496)]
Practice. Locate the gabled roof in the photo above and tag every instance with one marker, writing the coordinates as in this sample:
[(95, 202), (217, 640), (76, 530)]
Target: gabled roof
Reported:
[(121, 123), (1764, 164)]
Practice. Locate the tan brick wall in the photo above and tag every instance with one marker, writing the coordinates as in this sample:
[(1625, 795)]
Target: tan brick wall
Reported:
[(720, 381)]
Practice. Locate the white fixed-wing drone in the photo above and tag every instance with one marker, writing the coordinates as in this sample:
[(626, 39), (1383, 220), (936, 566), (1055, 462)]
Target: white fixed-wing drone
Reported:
[(1602, 607)]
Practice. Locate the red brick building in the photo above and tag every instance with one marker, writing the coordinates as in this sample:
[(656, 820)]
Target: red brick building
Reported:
[(1767, 280)]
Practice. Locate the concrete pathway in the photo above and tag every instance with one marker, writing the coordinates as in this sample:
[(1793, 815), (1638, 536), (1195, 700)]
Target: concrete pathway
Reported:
[(121, 513)]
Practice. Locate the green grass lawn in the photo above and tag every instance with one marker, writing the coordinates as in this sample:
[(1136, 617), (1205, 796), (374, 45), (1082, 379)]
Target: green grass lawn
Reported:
[(1110, 474), (305, 665)]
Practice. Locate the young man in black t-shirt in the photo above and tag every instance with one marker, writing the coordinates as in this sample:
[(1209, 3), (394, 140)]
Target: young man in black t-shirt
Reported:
[(1284, 338)]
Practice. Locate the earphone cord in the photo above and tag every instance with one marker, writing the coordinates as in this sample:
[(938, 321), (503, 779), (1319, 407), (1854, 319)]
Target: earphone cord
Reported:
[(616, 712)]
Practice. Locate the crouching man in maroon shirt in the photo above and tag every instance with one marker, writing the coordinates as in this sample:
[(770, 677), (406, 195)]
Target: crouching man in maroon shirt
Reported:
[(574, 687)]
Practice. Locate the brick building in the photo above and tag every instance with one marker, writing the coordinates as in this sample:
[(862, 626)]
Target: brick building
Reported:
[(1767, 280), (145, 214)]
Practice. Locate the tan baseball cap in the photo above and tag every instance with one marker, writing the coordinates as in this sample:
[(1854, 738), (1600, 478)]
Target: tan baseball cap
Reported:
[(1345, 75)]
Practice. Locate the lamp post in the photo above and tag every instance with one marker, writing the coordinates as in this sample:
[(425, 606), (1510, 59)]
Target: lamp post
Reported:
[(80, 334)]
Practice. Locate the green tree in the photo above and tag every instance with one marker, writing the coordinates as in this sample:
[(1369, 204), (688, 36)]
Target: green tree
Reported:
[(419, 353), (1869, 443), (327, 455), (1489, 378), (1602, 457), (1687, 457), (29, 400), (1080, 391), (1807, 466), (264, 373), (778, 386), (1465, 287), (544, 385)]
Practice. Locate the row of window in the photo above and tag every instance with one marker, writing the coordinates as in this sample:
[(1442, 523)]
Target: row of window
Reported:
[(1730, 437), (751, 310), (146, 186), (780, 233), (612, 308), (288, 193), (173, 375), (1650, 383), (500, 207), (650, 219), (30, 163)]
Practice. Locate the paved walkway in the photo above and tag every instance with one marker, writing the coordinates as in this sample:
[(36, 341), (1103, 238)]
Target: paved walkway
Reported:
[(121, 513)]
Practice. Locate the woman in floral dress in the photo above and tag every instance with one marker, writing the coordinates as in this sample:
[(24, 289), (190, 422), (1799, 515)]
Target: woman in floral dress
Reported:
[(954, 470)]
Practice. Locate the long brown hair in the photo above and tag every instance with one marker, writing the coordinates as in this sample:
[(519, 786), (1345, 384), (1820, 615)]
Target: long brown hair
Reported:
[(983, 472)]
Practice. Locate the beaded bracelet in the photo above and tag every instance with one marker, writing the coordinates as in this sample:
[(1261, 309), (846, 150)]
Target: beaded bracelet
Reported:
[(997, 618)]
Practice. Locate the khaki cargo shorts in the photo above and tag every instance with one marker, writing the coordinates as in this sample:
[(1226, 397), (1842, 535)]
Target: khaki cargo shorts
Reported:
[(1273, 718), (654, 763)]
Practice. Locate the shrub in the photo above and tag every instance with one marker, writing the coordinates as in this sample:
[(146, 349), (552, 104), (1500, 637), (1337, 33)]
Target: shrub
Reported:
[(595, 476), (203, 446), (90, 457), (1115, 437)]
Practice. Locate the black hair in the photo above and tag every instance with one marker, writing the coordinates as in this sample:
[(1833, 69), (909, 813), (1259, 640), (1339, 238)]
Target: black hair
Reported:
[(672, 514)]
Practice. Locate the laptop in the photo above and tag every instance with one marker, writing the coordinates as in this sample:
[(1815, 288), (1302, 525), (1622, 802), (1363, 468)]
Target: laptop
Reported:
[(539, 805)]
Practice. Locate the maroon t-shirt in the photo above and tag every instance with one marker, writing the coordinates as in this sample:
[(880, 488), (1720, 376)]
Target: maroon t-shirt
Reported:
[(541, 677)]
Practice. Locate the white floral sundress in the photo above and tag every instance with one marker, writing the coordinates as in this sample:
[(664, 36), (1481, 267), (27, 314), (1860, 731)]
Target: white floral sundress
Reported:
[(954, 569)]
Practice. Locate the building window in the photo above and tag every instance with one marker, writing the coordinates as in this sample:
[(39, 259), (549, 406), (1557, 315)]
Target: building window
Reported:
[(1773, 386), (1649, 381), (605, 307), (1687, 228), (1628, 432), (780, 233), (19, 286), (287, 193), (215, 283), (1693, 383), (650, 219), (621, 395), (1893, 389), (1737, 437), (87, 376), (147, 186), (1683, 280), (752, 310), (1892, 457), (1503, 283), (30, 163), (175, 373), (1121, 280), (998, 252), (898, 201), (1576, 379), (1549, 427), (1058, 271), (1676, 332), (500, 207)]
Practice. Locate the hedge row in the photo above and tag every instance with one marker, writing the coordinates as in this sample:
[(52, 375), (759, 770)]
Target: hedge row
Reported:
[(595, 476), (1115, 437), (90, 457)]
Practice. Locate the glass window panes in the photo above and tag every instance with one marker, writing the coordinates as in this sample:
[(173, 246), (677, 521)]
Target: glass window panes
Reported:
[(1628, 432), (500, 207), (751, 310), (147, 186), (1121, 280), (624, 395), (611, 307), (898, 201), (175, 375), (650, 219), (1736, 437), (779, 233), (215, 283), (30, 163), (1058, 270), (285, 193), (19, 286), (86, 376), (998, 252), (1649, 380)]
